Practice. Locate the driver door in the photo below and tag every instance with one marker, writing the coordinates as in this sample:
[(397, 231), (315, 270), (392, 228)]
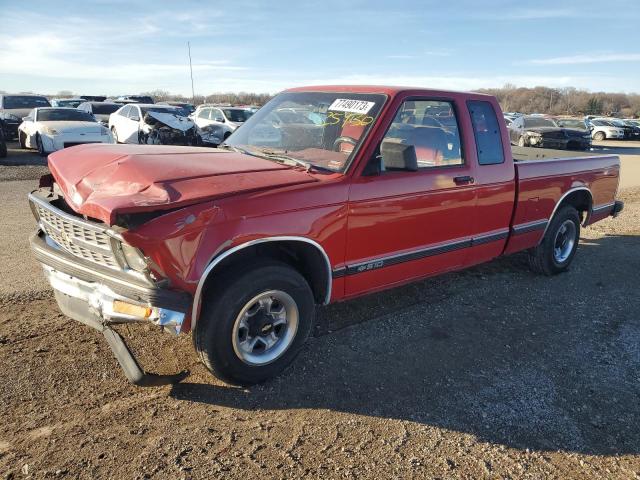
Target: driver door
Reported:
[(405, 224), (131, 125)]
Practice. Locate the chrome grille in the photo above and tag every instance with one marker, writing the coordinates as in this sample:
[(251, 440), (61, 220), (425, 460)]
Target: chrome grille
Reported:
[(77, 236)]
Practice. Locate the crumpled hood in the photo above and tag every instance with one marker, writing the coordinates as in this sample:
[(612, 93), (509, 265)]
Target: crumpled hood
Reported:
[(102, 181)]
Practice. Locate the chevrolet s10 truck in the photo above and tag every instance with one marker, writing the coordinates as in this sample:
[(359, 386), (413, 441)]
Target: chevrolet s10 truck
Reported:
[(326, 193)]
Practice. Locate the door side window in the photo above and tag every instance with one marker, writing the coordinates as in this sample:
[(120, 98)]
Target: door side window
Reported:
[(216, 115), (486, 130), (125, 111), (134, 113), (204, 113), (431, 127)]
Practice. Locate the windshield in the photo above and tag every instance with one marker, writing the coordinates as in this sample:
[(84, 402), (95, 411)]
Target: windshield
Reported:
[(173, 110), (571, 123), (26, 101), (538, 122), (63, 114), (69, 103), (104, 108), (237, 115), (319, 128)]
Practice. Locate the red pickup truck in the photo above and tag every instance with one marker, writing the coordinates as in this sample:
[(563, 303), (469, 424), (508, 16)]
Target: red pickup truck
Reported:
[(324, 194)]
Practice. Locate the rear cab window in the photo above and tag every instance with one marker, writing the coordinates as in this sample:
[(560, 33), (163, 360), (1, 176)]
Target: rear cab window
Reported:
[(486, 131)]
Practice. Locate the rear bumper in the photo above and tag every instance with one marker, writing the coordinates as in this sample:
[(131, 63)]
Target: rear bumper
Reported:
[(102, 299), (618, 206)]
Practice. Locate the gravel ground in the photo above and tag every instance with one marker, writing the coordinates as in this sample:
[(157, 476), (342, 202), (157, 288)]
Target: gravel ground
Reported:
[(493, 372)]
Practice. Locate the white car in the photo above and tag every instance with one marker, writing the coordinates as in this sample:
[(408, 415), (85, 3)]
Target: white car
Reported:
[(49, 129), (602, 129), (227, 118), (153, 124)]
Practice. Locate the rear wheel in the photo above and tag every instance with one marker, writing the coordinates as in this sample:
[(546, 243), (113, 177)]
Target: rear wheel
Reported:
[(600, 136), (254, 322), (558, 247)]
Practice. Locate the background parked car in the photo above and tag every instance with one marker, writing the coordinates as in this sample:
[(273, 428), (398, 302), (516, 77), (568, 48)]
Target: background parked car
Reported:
[(3, 144), (153, 124), (49, 129), (93, 98), (186, 108), (67, 102), (630, 131), (538, 131), (14, 107), (100, 110), (227, 118), (135, 99), (603, 129)]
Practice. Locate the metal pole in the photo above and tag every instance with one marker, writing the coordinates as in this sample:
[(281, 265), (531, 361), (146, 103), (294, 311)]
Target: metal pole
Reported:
[(193, 94)]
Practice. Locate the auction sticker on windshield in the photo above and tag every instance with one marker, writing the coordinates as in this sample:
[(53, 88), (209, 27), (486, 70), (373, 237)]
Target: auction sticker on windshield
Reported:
[(347, 105)]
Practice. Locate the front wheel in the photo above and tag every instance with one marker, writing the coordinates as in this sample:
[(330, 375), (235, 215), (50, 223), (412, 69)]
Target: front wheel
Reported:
[(115, 134), (600, 136), (254, 322), (40, 146), (22, 140), (559, 244)]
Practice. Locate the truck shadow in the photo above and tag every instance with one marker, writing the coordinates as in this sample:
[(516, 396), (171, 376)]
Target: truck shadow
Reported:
[(497, 352)]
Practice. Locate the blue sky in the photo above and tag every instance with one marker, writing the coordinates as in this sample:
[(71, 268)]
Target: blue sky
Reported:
[(116, 47)]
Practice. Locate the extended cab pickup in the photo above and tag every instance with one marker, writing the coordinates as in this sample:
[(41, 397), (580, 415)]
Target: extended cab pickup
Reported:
[(324, 194)]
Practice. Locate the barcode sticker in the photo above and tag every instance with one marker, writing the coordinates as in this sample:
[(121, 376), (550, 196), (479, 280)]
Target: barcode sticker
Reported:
[(347, 105)]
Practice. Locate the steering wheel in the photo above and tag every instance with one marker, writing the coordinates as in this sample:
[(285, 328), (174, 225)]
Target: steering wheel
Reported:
[(340, 140)]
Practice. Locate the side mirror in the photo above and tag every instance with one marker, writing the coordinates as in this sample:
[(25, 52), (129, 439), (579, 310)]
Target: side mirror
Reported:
[(219, 119), (398, 156), (135, 119)]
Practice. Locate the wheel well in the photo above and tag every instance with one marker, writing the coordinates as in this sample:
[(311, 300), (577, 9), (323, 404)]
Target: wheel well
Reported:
[(307, 259), (581, 200)]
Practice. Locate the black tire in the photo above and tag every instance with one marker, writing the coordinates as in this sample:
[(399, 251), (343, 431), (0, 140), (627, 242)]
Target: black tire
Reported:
[(3, 148), (542, 258), (599, 136), (115, 134), (226, 135), (224, 301), (22, 140), (40, 146)]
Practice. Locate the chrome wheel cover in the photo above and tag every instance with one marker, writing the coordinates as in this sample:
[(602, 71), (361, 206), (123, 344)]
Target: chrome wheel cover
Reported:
[(564, 241), (265, 327)]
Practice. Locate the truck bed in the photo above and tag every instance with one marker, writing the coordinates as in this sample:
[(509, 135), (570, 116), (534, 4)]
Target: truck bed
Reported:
[(544, 177)]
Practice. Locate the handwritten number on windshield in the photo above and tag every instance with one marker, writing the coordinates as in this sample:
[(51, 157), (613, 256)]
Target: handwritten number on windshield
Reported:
[(347, 118)]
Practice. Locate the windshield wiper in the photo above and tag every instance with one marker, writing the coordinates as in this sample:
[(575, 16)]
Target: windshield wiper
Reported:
[(287, 160)]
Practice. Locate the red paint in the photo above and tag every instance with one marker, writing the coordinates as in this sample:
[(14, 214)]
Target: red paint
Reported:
[(222, 199)]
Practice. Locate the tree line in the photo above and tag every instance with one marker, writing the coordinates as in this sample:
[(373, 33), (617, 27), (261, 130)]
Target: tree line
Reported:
[(555, 101), (565, 101)]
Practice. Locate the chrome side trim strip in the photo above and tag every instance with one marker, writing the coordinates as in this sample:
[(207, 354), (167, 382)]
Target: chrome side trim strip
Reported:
[(530, 226), (196, 298), (600, 208), (407, 257)]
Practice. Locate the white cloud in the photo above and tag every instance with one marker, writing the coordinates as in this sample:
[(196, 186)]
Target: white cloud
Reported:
[(584, 59)]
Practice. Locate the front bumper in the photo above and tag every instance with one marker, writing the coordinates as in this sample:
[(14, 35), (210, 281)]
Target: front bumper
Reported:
[(101, 299), (11, 129), (53, 143)]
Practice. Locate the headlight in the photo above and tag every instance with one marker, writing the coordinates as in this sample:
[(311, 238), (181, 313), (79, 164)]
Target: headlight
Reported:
[(134, 258), (49, 130), (534, 134)]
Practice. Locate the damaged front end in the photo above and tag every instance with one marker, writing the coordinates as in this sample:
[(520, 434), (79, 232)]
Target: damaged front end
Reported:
[(160, 128)]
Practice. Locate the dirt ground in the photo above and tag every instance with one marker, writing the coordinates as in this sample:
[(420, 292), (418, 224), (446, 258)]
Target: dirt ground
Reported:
[(493, 372)]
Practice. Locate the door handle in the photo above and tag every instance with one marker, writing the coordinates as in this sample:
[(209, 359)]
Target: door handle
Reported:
[(463, 180)]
